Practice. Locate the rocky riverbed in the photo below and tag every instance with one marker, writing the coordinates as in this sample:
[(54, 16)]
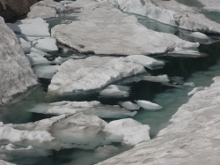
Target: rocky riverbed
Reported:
[(87, 80)]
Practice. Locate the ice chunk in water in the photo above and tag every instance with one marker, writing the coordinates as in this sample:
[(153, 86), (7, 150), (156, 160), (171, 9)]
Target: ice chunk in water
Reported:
[(147, 105)]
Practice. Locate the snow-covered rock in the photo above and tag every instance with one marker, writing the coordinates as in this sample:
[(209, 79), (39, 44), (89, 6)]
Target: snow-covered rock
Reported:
[(45, 71), (15, 70), (88, 108), (211, 5), (129, 105), (148, 62), (147, 105), (93, 73), (36, 28), (103, 29), (46, 44), (192, 136), (115, 91), (172, 13), (127, 131)]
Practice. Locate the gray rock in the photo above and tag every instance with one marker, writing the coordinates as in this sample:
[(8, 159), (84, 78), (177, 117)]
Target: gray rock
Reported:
[(15, 70)]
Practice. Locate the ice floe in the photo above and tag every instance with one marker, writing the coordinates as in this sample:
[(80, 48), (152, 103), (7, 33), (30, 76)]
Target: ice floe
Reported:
[(88, 108), (93, 73), (103, 29), (129, 131), (115, 91), (147, 105)]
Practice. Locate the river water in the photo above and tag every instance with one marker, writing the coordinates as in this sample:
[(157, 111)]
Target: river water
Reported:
[(181, 70)]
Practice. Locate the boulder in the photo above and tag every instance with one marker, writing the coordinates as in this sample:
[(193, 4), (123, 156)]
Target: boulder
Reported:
[(15, 69), (13, 9)]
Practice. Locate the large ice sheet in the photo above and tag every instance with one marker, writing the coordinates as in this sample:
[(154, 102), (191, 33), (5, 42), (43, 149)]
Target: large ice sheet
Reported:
[(103, 29), (91, 74)]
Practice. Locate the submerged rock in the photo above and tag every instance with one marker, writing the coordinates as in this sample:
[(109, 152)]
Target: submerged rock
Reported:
[(76, 77), (103, 29), (88, 108), (192, 136), (15, 70), (171, 13)]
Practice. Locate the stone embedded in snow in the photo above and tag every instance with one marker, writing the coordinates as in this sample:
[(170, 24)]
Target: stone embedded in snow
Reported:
[(36, 27), (103, 29), (88, 108), (45, 71), (192, 136), (129, 105), (195, 90), (25, 45), (15, 70), (46, 44), (115, 91), (88, 75), (127, 131), (37, 59), (147, 105), (172, 13), (148, 62)]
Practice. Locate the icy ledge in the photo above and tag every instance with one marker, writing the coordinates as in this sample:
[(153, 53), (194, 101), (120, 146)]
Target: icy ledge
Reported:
[(191, 138), (171, 13)]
